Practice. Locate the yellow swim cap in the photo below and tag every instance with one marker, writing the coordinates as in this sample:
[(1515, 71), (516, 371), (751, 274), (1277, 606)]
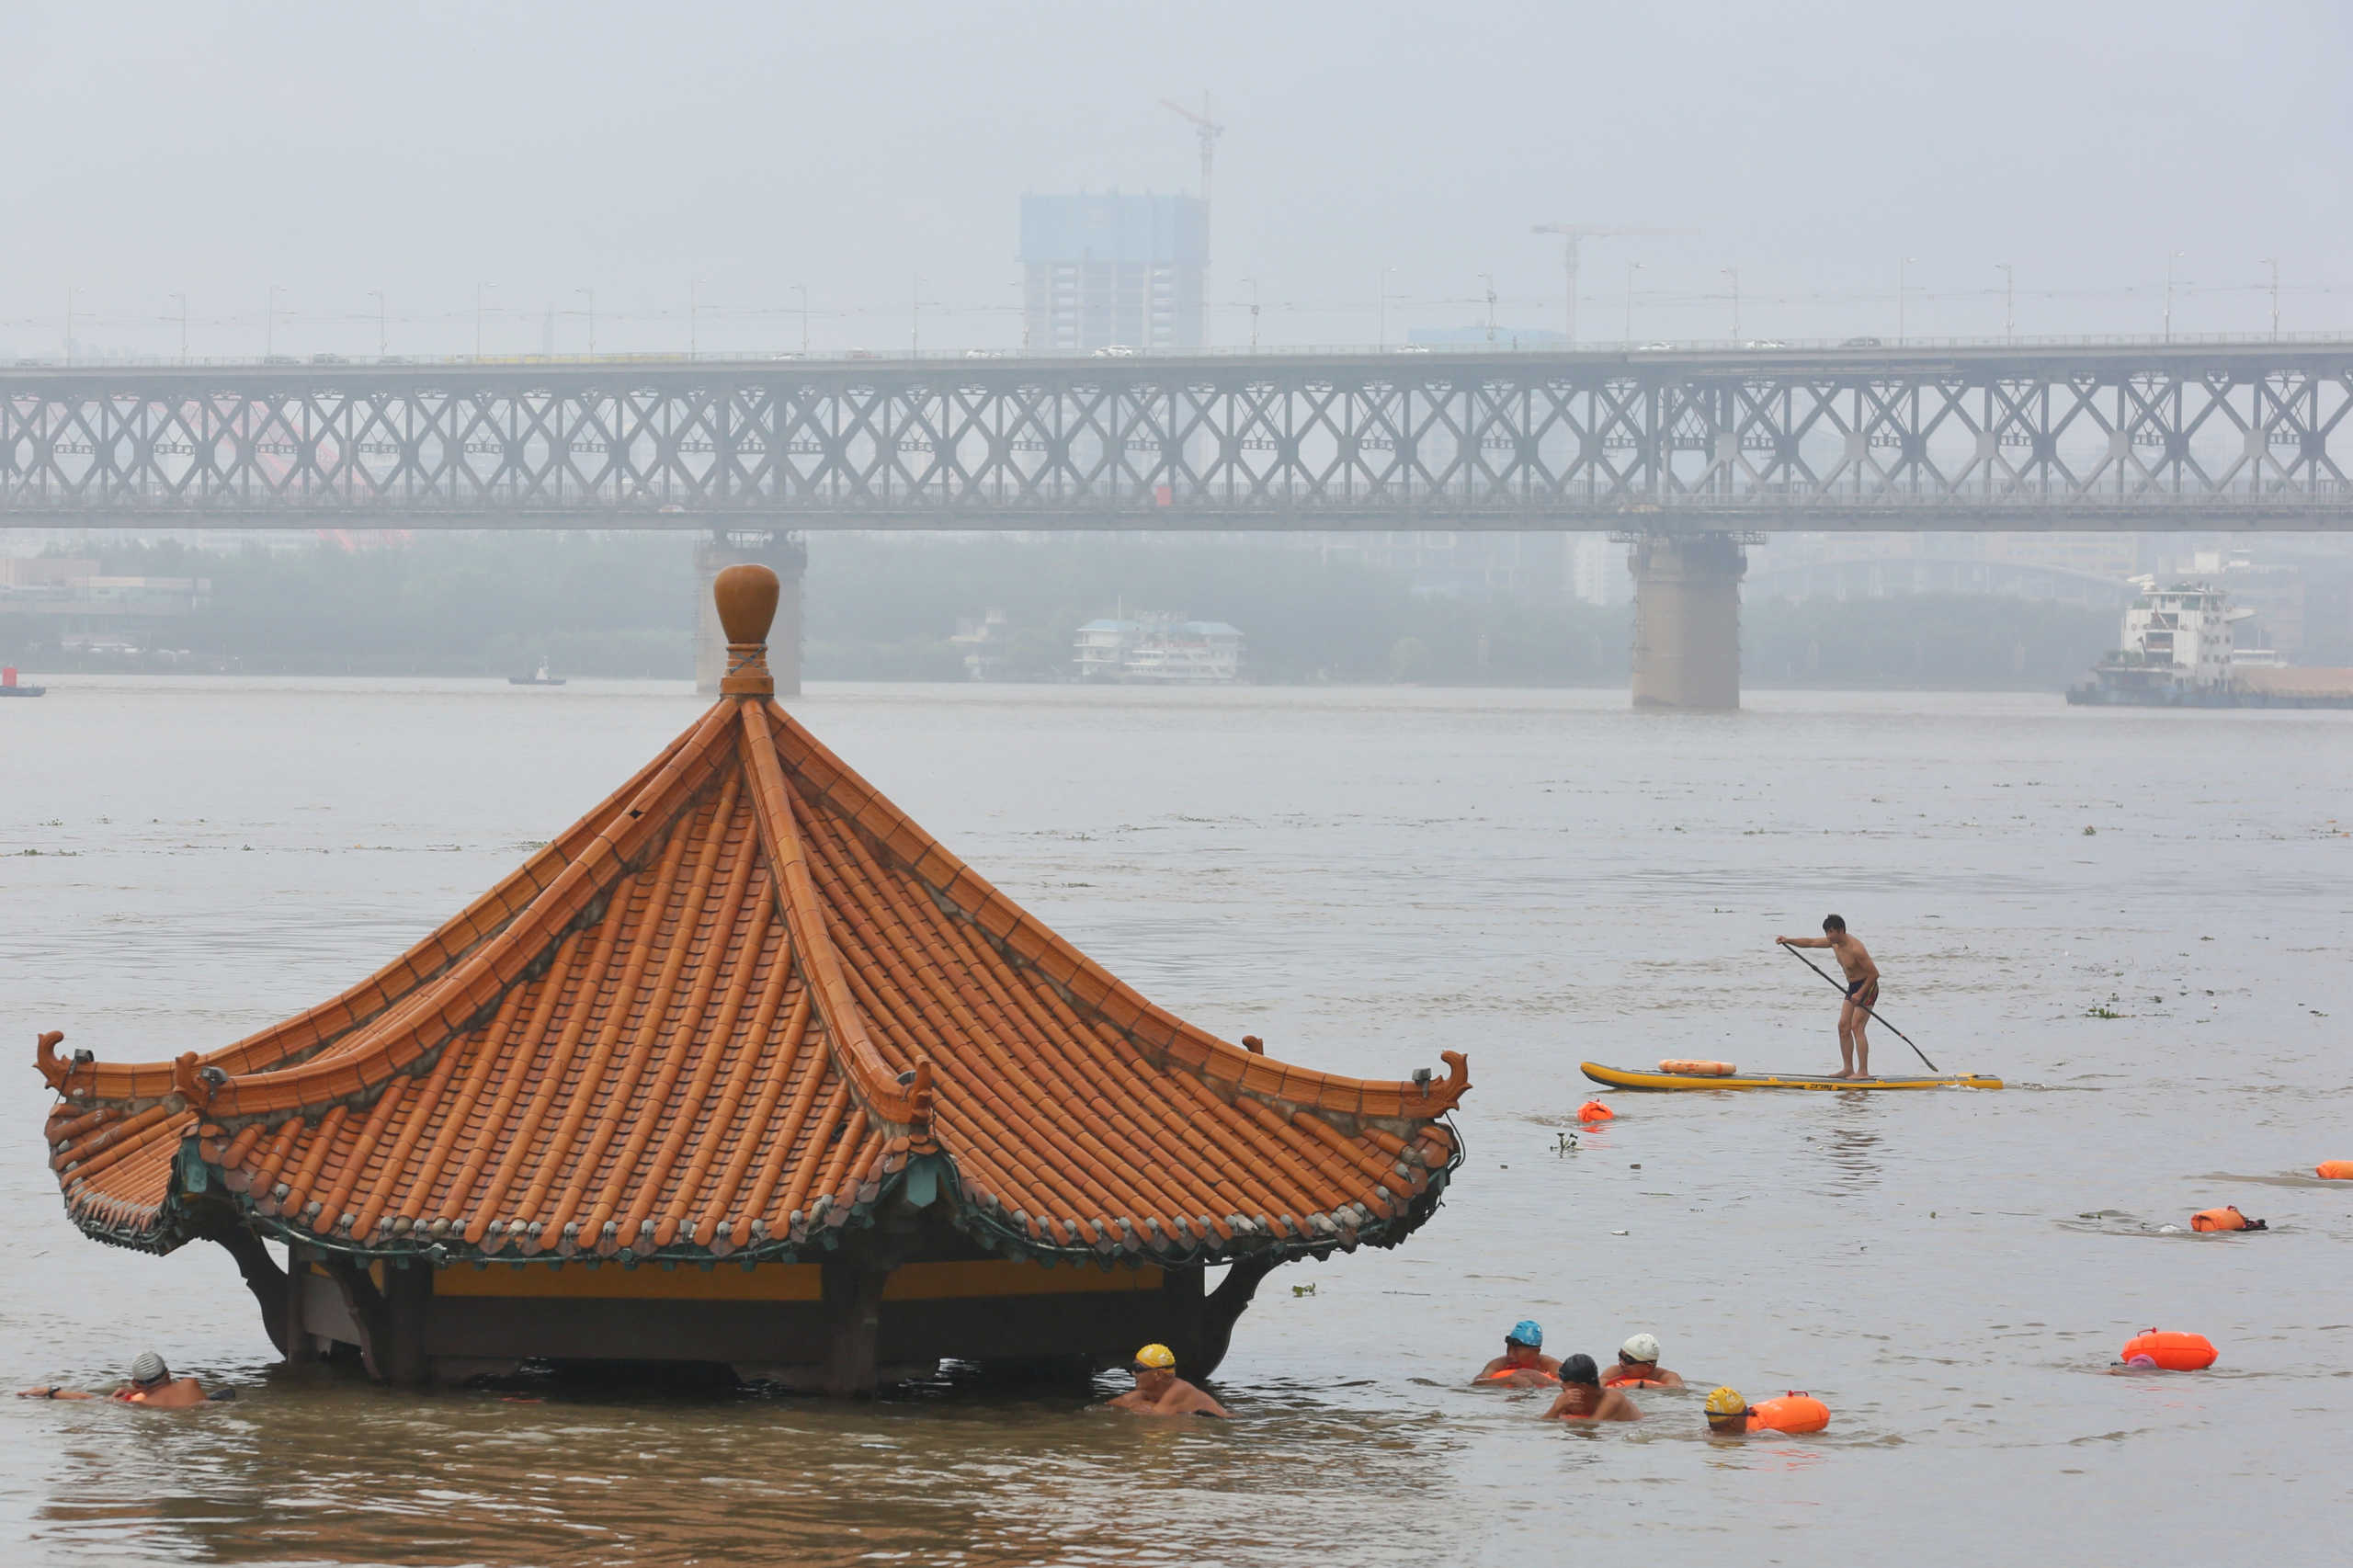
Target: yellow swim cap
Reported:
[(1157, 1356), (1726, 1402)]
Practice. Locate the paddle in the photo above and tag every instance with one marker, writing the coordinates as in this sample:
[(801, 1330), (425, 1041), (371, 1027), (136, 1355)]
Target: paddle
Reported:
[(1875, 1018)]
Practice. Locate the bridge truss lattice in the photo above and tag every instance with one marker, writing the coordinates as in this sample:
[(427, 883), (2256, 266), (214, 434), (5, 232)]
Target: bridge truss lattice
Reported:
[(2204, 437)]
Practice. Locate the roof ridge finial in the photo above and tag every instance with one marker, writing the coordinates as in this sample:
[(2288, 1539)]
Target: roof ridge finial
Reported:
[(747, 596)]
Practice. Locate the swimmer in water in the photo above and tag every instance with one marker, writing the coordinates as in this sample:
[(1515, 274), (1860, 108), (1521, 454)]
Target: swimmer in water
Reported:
[(1523, 1364), (1584, 1399), (1863, 992), (1160, 1392), (152, 1385), (1727, 1414), (1638, 1364)]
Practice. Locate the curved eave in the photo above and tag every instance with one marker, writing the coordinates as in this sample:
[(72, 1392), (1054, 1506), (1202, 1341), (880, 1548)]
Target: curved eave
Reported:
[(1284, 1239), (340, 1022), (1027, 943)]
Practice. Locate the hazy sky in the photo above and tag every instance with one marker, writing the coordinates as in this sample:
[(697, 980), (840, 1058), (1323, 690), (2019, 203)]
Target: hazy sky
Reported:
[(634, 150)]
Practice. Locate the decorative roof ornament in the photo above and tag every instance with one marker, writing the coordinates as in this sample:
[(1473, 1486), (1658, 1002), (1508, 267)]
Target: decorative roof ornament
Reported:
[(747, 596)]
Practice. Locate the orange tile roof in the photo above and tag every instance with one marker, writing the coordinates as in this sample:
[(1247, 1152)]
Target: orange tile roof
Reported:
[(724, 1014)]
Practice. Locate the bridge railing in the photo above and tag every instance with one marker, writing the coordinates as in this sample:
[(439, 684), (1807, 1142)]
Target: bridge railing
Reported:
[(1506, 343)]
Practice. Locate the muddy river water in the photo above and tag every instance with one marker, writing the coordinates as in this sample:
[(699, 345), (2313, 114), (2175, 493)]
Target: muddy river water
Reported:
[(2141, 920)]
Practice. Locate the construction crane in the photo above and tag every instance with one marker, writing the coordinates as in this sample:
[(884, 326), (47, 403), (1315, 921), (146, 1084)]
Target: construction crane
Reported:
[(1573, 236), (1208, 130)]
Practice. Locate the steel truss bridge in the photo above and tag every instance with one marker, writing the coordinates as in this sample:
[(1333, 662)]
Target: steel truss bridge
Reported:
[(2204, 436)]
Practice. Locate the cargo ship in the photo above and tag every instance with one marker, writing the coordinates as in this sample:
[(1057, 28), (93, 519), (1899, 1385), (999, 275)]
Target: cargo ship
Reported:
[(2180, 652)]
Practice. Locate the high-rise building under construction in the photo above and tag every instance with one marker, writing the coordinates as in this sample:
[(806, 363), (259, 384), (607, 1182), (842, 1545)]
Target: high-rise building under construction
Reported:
[(1112, 270)]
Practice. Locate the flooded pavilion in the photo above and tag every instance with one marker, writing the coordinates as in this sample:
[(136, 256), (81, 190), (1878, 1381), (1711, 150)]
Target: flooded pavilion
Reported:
[(745, 1068)]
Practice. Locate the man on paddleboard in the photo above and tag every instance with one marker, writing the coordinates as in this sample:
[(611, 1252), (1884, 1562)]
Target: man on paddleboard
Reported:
[(1863, 992)]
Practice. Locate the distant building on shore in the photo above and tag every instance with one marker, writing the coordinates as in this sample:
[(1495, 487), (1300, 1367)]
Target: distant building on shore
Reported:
[(1159, 649), (49, 600), (1112, 271)]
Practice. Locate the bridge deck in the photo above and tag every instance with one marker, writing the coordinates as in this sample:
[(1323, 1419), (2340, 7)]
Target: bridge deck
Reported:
[(2085, 435)]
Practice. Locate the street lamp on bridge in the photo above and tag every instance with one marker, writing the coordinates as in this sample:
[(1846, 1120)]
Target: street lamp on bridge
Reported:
[(2171, 257), (270, 323), (2009, 301)]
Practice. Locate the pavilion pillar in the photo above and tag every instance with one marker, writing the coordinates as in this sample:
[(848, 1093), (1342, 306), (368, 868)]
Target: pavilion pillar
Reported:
[(1686, 620), (852, 1291), (301, 1346), (408, 1297), (786, 555)]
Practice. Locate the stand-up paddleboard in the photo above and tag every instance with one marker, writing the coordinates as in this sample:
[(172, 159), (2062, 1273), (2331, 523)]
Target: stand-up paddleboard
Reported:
[(1633, 1078)]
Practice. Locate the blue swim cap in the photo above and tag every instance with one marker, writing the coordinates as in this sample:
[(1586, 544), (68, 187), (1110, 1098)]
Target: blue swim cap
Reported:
[(1526, 1332)]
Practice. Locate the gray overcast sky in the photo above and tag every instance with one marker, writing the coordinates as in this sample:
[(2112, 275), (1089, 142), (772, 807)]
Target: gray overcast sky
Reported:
[(548, 148)]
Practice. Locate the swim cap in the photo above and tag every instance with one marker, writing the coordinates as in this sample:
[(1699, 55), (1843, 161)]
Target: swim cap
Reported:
[(1726, 1402), (1638, 1347), (1159, 1357), (149, 1368), (1526, 1332)]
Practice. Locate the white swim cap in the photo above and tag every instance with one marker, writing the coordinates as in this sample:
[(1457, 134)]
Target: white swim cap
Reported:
[(1638, 1347)]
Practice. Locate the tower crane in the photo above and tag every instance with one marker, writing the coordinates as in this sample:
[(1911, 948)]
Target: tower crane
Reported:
[(1208, 130), (1573, 236)]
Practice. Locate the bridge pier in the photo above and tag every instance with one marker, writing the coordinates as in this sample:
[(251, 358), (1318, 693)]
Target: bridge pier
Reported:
[(1687, 620), (789, 556)]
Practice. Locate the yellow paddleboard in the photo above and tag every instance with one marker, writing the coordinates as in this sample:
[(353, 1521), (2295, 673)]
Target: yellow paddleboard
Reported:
[(1630, 1078)]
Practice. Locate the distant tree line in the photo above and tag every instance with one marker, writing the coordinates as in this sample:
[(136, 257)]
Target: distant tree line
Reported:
[(885, 607), (880, 607)]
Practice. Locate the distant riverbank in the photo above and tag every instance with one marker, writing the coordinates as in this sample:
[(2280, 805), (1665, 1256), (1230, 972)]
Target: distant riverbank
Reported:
[(878, 607)]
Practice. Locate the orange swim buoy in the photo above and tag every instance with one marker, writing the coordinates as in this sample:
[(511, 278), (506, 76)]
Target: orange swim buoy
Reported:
[(1633, 1384), (2334, 1170), (1794, 1412), (1508, 1373), (1685, 1068), (2173, 1351), (1594, 1110), (2227, 1218)]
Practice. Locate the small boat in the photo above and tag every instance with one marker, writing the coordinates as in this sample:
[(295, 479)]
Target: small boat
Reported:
[(8, 686), (537, 677), (1635, 1078)]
